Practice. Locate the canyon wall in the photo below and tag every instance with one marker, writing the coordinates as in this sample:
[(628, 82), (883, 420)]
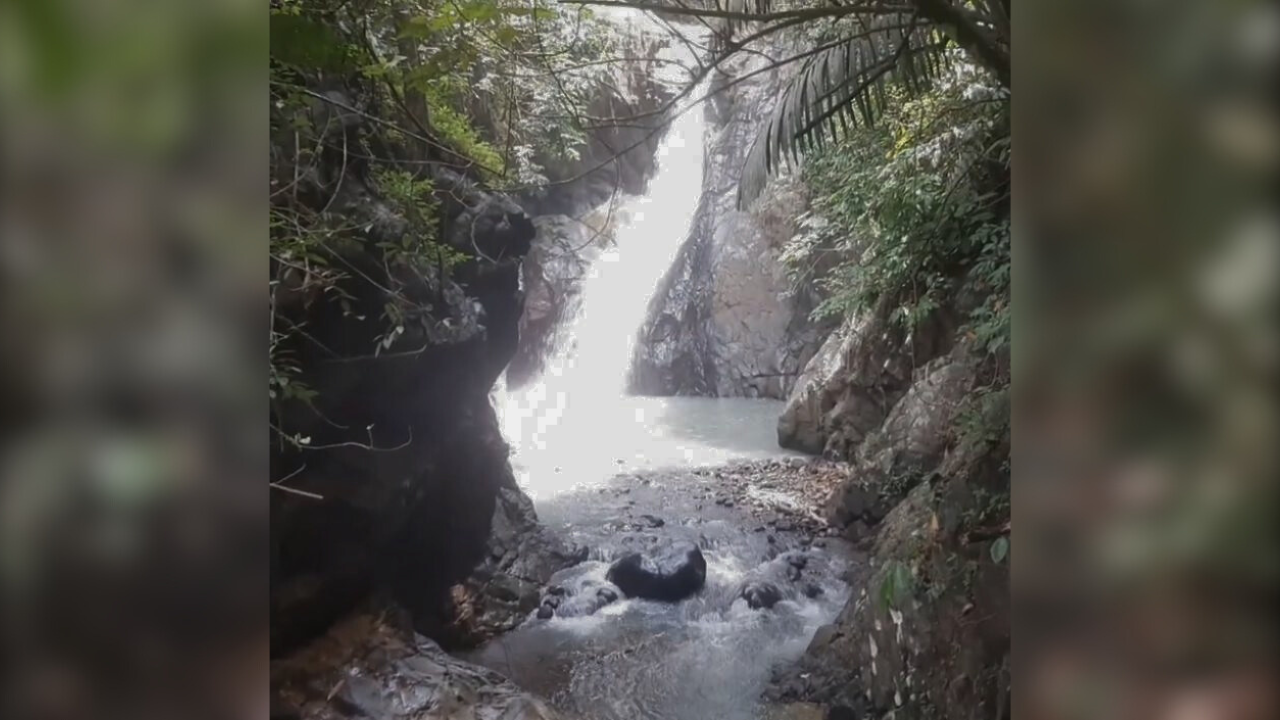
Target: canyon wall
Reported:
[(724, 322)]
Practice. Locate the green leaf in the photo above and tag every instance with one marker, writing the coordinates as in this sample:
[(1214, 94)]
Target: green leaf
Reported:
[(999, 549), (897, 585)]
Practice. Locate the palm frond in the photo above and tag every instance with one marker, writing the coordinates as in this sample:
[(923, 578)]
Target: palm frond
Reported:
[(841, 87)]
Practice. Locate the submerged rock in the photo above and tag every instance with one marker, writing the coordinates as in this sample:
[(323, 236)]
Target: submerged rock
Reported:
[(670, 574), (586, 599), (761, 595)]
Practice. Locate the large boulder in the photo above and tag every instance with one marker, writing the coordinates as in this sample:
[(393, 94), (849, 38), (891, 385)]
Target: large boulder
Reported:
[(800, 427), (908, 445), (669, 574), (863, 368)]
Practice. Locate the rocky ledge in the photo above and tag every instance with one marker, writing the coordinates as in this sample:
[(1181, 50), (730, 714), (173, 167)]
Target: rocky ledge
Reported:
[(370, 665), (927, 634)]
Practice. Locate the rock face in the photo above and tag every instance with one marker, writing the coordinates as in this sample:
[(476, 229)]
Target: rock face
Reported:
[(366, 667), (849, 386), (670, 574), (552, 276), (396, 471), (909, 444), (722, 322), (575, 217), (929, 636), (499, 594), (618, 157)]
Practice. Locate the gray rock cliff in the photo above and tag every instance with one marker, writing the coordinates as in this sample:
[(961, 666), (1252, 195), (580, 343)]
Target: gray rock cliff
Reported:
[(723, 322)]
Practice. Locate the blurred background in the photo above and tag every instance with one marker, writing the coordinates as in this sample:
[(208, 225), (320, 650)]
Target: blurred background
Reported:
[(133, 296), (1145, 427), (133, 291)]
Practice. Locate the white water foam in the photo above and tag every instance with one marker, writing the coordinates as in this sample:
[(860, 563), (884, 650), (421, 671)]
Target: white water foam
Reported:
[(575, 424)]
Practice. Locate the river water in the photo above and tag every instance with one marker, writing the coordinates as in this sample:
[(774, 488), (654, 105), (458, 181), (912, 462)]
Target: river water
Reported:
[(618, 473)]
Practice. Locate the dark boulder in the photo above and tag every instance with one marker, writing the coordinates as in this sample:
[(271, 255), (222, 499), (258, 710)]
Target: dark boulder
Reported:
[(670, 574), (761, 595)]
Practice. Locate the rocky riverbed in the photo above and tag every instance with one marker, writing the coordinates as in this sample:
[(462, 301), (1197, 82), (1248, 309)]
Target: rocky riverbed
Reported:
[(773, 575)]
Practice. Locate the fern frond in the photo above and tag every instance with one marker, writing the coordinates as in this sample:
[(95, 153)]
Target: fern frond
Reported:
[(841, 87)]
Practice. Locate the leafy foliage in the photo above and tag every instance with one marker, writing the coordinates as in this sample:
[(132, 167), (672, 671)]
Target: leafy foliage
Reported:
[(912, 207), (484, 86), (999, 550), (843, 83), (495, 86), (896, 585)]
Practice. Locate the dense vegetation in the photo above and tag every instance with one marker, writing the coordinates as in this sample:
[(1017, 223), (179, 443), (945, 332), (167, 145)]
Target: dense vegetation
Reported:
[(488, 90), (913, 207), (910, 202)]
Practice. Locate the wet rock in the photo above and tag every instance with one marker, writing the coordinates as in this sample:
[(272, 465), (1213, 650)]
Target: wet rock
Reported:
[(950, 643), (503, 590), (798, 560), (812, 590), (669, 574), (653, 520), (366, 667), (722, 322), (824, 636), (587, 600), (546, 612), (793, 573), (761, 595), (577, 596)]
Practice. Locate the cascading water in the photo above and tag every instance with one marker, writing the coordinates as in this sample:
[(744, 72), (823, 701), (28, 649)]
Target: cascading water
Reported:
[(589, 368), (578, 442), (576, 424)]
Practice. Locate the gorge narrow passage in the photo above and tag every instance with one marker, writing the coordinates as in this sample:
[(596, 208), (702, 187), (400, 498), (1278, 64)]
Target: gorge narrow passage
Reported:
[(620, 474)]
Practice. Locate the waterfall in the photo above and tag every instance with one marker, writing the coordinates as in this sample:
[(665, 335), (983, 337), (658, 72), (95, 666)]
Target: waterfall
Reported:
[(578, 403)]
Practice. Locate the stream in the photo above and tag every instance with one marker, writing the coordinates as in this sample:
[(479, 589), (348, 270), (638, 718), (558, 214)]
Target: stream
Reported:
[(619, 474)]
